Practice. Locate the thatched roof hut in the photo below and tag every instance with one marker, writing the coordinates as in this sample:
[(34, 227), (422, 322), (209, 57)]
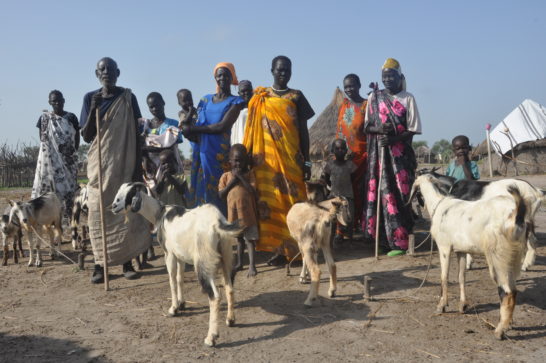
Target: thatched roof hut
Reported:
[(323, 130)]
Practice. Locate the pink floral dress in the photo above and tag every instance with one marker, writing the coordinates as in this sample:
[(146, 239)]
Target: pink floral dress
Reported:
[(398, 170)]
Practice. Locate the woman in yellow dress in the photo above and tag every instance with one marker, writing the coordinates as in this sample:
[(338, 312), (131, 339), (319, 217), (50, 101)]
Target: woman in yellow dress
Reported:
[(277, 137)]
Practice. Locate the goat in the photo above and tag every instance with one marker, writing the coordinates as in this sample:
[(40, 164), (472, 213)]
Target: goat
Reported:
[(310, 225), (477, 189), (463, 227), (44, 211), (79, 209), (11, 230), (201, 237)]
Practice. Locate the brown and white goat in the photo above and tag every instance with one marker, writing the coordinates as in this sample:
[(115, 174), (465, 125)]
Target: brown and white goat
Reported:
[(43, 212), (201, 237), (11, 230), (310, 225), (495, 227)]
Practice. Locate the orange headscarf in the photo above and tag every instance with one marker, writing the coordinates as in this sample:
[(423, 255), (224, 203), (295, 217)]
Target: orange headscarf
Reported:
[(231, 69)]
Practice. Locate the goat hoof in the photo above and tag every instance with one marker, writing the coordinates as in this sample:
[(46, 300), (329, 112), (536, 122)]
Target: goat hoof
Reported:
[(172, 311), (30, 263), (499, 335), (230, 322), (308, 304), (463, 307), (303, 281), (211, 340), (440, 309), (38, 263), (332, 293), (181, 306)]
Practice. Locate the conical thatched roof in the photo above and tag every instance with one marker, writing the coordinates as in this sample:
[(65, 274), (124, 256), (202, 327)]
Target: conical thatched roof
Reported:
[(323, 130)]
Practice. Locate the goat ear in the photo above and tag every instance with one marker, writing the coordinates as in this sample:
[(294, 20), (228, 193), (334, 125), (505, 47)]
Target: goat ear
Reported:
[(414, 189), (136, 203)]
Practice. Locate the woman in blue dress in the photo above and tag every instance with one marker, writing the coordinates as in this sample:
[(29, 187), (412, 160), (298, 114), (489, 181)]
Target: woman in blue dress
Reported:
[(216, 115)]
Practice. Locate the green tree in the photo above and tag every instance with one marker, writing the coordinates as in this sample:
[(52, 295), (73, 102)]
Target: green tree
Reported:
[(443, 148), (417, 144)]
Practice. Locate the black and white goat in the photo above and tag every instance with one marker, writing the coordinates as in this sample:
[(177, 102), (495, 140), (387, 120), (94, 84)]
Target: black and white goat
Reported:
[(463, 227), (310, 224), (478, 189), (78, 219), (11, 230), (43, 212), (200, 237)]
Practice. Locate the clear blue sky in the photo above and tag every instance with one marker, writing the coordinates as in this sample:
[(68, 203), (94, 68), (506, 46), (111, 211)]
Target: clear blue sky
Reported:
[(466, 62)]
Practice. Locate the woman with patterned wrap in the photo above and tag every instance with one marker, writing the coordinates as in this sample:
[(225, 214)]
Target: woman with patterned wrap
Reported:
[(277, 137), (391, 121)]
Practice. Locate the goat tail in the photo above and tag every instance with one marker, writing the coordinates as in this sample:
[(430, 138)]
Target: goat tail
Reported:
[(520, 219)]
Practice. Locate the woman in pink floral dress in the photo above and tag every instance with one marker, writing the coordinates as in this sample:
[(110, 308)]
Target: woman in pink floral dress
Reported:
[(391, 121)]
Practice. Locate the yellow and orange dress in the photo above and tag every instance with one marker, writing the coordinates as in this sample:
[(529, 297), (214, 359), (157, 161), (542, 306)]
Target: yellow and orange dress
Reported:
[(273, 140), (350, 123)]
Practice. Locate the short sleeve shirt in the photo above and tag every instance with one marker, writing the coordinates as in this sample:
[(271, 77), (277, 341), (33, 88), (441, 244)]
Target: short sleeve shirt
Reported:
[(457, 171), (241, 204)]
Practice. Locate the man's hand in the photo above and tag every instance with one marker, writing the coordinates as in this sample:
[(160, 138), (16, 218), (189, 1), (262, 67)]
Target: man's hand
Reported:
[(96, 100)]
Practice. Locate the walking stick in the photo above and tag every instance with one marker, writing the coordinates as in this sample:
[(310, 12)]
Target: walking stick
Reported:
[(378, 199), (487, 128), (101, 208)]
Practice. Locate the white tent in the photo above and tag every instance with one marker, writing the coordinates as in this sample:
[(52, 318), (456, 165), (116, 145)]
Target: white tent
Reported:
[(527, 122)]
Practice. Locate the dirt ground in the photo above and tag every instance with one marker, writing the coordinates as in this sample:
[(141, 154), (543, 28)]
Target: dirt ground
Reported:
[(54, 314)]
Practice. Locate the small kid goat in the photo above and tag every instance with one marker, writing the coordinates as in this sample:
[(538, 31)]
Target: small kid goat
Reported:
[(201, 237), (11, 230), (44, 212), (311, 226), (463, 227)]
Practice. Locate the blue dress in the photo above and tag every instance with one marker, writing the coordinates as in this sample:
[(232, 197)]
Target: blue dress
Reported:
[(210, 155)]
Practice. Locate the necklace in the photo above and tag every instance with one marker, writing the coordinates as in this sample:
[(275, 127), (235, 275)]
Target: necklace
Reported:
[(279, 90)]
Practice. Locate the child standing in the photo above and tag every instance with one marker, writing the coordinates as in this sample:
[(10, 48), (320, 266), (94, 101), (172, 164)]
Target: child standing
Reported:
[(337, 174), (188, 113), (238, 186), (171, 186), (462, 167)]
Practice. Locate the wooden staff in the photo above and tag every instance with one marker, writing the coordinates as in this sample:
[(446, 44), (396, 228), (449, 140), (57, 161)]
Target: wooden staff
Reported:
[(487, 128), (101, 208), (378, 199)]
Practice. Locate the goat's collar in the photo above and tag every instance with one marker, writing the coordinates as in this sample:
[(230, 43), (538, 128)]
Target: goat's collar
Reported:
[(436, 207)]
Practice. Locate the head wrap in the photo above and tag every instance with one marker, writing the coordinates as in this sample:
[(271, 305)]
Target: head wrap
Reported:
[(392, 63), (231, 69)]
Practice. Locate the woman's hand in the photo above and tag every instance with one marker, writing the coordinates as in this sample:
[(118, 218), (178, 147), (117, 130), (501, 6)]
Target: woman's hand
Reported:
[(385, 140)]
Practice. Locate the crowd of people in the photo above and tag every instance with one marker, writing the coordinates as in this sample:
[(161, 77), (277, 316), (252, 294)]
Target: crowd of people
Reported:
[(250, 158)]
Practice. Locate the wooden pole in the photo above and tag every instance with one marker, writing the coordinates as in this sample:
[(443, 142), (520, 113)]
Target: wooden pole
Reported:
[(101, 206), (487, 128), (367, 288), (411, 247), (378, 200)]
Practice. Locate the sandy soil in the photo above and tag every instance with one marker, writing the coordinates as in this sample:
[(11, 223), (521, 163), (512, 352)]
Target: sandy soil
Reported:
[(54, 314)]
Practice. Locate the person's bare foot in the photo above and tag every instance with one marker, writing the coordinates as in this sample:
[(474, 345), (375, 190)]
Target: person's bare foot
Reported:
[(251, 271)]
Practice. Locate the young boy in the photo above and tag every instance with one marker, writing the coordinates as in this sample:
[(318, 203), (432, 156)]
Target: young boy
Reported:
[(462, 167), (171, 186), (238, 186), (188, 114), (337, 174)]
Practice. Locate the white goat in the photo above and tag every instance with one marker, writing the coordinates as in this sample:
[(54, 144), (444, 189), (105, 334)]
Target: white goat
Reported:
[(496, 227), (533, 197), (79, 210), (43, 212), (201, 237), (311, 226), (11, 230)]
